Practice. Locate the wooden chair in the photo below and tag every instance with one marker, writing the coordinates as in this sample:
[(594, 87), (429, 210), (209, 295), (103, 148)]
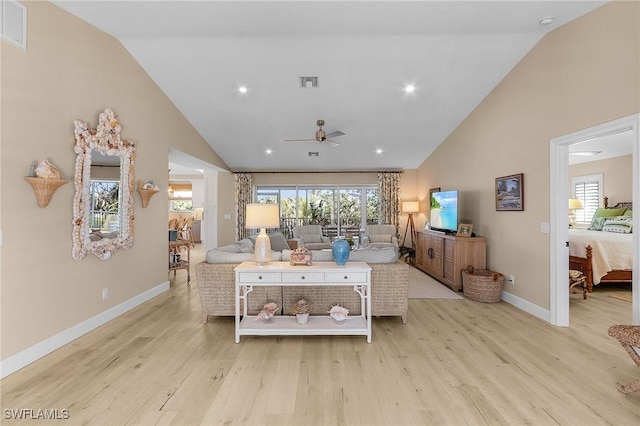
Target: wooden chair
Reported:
[(172, 223), (186, 231), (629, 338)]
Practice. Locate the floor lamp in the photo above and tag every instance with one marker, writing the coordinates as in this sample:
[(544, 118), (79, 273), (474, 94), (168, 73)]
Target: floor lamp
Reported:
[(410, 207)]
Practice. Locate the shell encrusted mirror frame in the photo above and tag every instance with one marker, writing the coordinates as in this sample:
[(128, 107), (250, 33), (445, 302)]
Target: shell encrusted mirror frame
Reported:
[(105, 140)]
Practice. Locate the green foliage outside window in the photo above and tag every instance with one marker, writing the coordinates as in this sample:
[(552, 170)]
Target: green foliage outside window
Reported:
[(182, 205)]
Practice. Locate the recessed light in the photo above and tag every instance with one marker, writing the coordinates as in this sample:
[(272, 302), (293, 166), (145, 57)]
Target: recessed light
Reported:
[(409, 88), (378, 151), (243, 89), (268, 151), (547, 21)]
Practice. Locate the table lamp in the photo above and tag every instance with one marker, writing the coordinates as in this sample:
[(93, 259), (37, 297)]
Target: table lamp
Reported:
[(262, 216), (574, 204)]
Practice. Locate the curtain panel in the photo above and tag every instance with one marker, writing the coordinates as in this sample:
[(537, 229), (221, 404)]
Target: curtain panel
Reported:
[(389, 193), (243, 195)]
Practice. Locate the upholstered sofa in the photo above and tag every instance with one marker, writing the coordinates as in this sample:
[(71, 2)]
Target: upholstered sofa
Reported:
[(389, 285)]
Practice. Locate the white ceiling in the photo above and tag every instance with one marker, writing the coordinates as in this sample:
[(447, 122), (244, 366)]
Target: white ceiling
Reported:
[(363, 53)]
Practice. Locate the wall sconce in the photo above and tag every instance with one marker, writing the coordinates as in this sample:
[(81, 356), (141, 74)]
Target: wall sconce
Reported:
[(262, 216)]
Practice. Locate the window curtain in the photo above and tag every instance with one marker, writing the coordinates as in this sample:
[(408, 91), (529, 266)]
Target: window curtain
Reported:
[(243, 194), (389, 193)]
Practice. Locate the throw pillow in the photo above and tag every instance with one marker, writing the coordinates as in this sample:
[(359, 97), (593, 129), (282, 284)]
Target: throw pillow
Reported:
[(231, 248), (628, 212), (385, 238), (311, 238), (597, 223), (278, 242), (607, 213), (620, 225)]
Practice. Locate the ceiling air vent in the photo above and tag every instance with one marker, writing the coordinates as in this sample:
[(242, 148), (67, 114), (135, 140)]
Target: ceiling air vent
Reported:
[(13, 23), (308, 82), (313, 154)]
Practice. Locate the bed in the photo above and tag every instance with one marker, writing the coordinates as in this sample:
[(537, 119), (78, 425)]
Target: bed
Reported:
[(602, 256)]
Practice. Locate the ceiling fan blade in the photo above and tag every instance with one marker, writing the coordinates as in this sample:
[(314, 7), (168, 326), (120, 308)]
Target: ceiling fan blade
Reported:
[(332, 143), (299, 140), (335, 134)]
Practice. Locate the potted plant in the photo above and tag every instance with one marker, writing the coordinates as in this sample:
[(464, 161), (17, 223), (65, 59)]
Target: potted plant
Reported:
[(301, 310)]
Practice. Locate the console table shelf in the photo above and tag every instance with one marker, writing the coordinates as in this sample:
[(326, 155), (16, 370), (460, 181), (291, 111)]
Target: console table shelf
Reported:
[(282, 274), (284, 325)]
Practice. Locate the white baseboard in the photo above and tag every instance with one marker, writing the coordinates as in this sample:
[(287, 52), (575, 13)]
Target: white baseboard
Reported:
[(535, 310), (16, 362)]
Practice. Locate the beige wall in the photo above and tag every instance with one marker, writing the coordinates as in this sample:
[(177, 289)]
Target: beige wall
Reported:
[(73, 71), (579, 75), (617, 176)]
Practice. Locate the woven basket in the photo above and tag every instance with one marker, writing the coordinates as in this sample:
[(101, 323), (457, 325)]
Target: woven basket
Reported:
[(482, 285)]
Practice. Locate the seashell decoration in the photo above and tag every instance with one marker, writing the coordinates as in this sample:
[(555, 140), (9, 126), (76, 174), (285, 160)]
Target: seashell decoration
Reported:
[(47, 170), (267, 312), (339, 314)]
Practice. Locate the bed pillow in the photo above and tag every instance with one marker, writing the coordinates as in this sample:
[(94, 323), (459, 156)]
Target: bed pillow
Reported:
[(619, 224), (596, 225)]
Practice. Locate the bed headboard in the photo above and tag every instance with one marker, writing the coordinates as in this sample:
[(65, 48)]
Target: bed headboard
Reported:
[(627, 204)]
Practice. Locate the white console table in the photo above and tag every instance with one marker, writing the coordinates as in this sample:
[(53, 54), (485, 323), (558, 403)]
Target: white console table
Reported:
[(356, 274)]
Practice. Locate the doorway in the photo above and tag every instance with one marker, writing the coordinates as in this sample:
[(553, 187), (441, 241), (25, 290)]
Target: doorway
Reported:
[(559, 226)]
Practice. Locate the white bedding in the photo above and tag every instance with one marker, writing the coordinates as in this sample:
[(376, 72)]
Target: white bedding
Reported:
[(611, 251)]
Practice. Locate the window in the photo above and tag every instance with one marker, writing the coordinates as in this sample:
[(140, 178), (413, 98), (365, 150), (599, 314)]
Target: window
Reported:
[(105, 200), (180, 197), (339, 209), (587, 189)]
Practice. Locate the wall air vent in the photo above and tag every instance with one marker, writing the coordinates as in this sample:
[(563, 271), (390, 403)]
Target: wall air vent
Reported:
[(308, 82), (13, 23), (314, 154)]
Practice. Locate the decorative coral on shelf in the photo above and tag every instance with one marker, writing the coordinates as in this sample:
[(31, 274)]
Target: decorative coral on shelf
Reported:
[(301, 307)]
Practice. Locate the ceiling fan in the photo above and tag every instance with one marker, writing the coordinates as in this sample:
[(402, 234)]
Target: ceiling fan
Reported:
[(321, 136)]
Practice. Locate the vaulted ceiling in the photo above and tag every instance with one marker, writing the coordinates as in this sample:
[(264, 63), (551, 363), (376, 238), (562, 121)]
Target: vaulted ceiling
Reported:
[(363, 53)]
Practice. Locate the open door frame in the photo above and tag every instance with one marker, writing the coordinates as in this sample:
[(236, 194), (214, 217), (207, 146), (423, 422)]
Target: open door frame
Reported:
[(559, 226)]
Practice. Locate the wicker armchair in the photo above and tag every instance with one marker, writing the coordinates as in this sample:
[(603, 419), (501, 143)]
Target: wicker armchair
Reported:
[(629, 338)]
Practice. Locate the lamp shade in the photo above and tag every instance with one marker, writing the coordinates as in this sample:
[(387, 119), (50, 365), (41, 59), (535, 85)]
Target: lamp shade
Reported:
[(262, 216), (410, 206), (575, 203)]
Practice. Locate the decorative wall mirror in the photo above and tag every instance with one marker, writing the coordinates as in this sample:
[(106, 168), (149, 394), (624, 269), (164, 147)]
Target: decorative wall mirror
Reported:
[(103, 201)]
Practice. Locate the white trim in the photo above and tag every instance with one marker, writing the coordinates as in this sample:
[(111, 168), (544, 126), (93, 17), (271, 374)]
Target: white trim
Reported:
[(559, 232), (526, 306), (22, 359)]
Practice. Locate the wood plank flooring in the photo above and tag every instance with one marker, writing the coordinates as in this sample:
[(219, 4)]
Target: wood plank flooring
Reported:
[(456, 362)]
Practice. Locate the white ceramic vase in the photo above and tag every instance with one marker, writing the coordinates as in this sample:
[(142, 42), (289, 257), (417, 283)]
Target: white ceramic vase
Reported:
[(302, 318)]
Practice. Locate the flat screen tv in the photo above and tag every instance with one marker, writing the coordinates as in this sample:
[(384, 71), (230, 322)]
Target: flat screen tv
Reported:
[(444, 211)]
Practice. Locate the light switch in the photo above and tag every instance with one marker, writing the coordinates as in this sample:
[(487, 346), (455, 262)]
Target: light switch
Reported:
[(544, 227), (227, 216)]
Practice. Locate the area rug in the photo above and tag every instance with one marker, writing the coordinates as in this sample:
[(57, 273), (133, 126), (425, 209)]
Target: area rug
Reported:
[(627, 297), (422, 286)]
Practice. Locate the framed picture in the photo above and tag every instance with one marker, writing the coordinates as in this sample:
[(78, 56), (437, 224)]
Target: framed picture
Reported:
[(510, 193), (465, 230)]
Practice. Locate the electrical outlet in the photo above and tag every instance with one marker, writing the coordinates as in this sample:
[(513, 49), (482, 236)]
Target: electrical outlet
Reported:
[(105, 293), (512, 280)]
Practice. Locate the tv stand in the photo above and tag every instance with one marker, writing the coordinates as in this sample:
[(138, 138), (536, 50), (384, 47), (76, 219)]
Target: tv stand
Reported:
[(445, 256)]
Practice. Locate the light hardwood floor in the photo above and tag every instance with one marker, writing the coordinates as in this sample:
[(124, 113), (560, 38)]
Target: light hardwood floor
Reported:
[(456, 362)]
